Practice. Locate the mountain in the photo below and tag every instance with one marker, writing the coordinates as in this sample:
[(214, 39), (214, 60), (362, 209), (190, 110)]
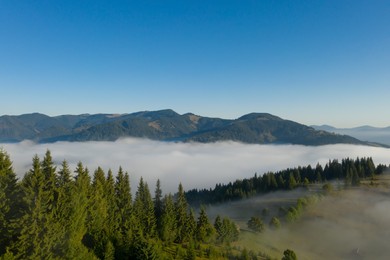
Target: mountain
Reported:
[(365, 133), (164, 125), (266, 128)]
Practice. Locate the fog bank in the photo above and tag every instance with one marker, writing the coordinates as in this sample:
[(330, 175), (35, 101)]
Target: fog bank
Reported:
[(352, 225), (196, 165)]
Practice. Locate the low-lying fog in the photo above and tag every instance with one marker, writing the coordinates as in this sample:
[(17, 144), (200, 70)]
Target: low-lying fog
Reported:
[(348, 225), (352, 225), (195, 165)]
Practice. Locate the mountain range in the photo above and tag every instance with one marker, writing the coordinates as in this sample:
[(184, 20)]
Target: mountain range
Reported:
[(365, 133), (164, 125)]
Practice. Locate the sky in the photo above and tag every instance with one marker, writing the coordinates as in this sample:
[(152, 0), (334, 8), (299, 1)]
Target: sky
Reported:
[(314, 62)]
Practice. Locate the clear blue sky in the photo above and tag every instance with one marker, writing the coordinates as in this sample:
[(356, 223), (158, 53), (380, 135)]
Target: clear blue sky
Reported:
[(315, 62)]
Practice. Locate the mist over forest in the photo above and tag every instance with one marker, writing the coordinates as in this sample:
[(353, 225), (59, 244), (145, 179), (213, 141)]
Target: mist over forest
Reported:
[(341, 213), (195, 165), (347, 224)]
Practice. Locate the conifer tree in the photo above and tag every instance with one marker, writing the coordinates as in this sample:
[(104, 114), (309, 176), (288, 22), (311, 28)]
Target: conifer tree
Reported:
[(255, 224), (204, 230), (62, 210), (190, 227), (181, 209), (97, 215), (144, 210), (226, 230), (77, 228), (168, 229), (63, 178), (124, 215), (49, 172), (109, 193), (291, 182), (37, 237), (218, 225), (158, 204), (10, 202), (55, 232)]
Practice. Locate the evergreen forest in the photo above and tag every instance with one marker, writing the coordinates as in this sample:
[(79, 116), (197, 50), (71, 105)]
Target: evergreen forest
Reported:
[(55, 212)]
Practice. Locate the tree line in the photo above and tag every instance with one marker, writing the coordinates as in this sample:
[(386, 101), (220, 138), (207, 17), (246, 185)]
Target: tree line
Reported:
[(350, 171)]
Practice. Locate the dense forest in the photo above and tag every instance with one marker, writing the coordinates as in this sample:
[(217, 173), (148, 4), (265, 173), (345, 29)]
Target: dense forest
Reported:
[(55, 214), (349, 171), (59, 214)]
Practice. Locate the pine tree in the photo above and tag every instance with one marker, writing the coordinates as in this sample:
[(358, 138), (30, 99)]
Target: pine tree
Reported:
[(218, 227), (204, 230), (38, 236), (96, 238), (158, 204), (62, 210), (190, 227), (291, 182), (10, 202), (63, 175), (144, 210), (318, 172), (124, 215), (226, 230), (167, 229), (49, 172), (109, 194), (77, 228), (55, 232), (181, 208)]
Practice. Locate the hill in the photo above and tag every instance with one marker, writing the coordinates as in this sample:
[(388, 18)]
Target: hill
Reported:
[(164, 125), (365, 133)]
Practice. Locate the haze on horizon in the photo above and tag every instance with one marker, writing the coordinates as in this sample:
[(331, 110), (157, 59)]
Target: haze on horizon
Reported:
[(195, 165), (313, 62)]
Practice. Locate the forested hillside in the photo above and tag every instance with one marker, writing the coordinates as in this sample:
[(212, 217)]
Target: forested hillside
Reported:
[(63, 214), (164, 125), (349, 171), (57, 214)]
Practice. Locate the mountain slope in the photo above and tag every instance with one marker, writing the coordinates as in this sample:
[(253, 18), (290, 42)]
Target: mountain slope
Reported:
[(365, 133), (266, 128), (164, 125)]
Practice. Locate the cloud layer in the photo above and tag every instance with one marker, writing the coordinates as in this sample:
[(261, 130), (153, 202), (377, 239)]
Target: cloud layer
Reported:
[(195, 165)]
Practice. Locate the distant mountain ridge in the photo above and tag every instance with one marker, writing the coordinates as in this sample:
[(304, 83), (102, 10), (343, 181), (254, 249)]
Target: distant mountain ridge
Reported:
[(164, 125), (364, 133)]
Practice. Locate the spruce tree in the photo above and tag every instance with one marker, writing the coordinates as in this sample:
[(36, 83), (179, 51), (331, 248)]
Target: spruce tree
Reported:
[(190, 227), (62, 210), (168, 228), (109, 194), (96, 237), (144, 210), (158, 204), (10, 202), (124, 215), (181, 209), (204, 230), (49, 172), (77, 228), (38, 236)]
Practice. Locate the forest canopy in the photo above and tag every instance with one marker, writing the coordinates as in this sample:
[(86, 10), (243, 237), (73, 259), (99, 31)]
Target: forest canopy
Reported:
[(55, 212)]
